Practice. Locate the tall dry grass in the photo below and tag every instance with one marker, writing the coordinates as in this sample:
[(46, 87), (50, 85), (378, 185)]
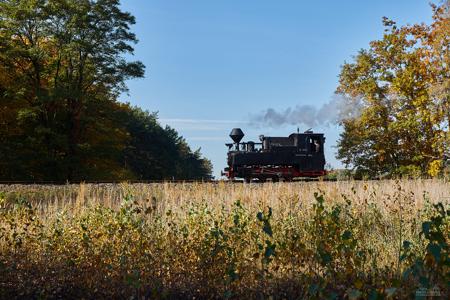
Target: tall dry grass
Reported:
[(50, 198)]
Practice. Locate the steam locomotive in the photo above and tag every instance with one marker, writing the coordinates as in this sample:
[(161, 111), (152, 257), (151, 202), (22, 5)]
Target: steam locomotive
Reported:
[(275, 158)]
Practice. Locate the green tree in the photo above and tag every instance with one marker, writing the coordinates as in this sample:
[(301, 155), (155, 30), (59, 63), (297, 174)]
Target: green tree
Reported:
[(62, 68), (401, 83), (64, 54), (160, 153)]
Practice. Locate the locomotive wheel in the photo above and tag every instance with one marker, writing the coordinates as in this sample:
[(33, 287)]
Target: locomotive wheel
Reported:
[(247, 179), (275, 179)]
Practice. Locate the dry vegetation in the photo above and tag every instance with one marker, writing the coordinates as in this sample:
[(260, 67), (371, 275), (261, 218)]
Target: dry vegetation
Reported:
[(376, 239)]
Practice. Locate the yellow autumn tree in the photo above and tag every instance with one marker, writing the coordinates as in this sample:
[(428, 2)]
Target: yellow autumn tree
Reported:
[(402, 84)]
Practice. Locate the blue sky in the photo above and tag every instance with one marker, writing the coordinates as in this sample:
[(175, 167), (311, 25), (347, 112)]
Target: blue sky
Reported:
[(213, 65)]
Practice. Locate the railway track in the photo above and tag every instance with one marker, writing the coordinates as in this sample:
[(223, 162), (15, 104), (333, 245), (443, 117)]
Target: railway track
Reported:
[(147, 181)]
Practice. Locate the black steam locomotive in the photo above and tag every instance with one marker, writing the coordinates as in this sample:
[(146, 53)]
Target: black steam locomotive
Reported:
[(275, 158)]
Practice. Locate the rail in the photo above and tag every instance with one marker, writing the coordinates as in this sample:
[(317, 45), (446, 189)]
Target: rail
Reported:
[(147, 181)]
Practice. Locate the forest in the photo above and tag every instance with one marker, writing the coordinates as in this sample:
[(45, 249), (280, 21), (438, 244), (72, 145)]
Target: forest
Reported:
[(63, 68)]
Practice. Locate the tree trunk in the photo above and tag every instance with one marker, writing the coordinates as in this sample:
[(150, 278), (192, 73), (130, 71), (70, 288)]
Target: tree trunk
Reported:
[(73, 137)]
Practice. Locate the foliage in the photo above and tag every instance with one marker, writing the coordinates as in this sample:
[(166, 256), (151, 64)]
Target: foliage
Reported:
[(401, 83), (146, 246), (153, 152), (62, 68)]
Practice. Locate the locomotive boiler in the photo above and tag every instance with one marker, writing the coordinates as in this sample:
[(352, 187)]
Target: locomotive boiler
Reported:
[(275, 158)]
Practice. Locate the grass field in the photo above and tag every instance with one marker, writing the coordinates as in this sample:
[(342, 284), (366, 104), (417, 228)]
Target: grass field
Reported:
[(322, 240)]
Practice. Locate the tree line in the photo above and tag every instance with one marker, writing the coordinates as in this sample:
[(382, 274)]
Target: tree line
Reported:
[(401, 84), (62, 69)]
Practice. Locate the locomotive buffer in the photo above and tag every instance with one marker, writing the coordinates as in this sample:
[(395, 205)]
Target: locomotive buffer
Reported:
[(275, 158)]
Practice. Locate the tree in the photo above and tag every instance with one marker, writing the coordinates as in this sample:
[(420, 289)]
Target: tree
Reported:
[(64, 54), (62, 68), (160, 153), (402, 83)]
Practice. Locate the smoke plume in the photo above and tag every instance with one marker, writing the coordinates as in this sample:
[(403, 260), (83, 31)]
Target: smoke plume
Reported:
[(336, 110)]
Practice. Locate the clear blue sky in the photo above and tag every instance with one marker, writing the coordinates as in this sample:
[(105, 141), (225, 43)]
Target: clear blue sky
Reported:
[(211, 64)]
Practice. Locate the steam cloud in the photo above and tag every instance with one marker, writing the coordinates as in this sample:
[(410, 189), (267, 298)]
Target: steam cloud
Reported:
[(336, 110)]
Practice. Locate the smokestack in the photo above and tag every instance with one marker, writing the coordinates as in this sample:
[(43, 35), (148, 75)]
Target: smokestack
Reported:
[(236, 135)]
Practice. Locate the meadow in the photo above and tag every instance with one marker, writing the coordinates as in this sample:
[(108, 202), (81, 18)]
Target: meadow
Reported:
[(300, 240)]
